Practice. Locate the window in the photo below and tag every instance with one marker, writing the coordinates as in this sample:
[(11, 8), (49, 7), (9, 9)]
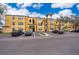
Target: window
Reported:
[(13, 29), (39, 24), (20, 23), (33, 21), (13, 17), (20, 29), (46, 24), (20, 18), (40, 29), (30, 20), (13, 23), (31, 26)]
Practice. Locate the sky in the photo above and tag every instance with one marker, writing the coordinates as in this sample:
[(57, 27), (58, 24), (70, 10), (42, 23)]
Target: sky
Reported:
[(42, 9)]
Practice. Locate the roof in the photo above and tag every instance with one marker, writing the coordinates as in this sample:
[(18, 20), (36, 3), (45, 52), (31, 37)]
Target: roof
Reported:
[(25, 16), (17, 15)]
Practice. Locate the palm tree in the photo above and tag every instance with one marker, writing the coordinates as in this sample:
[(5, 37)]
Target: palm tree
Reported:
[(75, 20), (61, 20), (65, 19)]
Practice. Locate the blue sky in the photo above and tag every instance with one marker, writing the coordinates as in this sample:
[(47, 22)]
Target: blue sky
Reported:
[(41, 9)]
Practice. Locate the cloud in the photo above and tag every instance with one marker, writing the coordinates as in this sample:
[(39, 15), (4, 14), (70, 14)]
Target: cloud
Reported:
[(24, 5), (14, 11), (34, 14), (77, 6), (37, 6), (22, 11), (25, 11), (63, 13), (66, 12), (55, 16), (62, 5)]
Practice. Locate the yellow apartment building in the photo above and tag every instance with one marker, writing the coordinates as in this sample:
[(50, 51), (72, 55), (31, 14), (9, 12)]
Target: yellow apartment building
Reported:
[(25, 23), (66, 26), (14, 23), (40, 25)]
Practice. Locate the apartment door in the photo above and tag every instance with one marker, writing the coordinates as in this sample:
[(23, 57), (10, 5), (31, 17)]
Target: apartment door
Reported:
[(33, 29)]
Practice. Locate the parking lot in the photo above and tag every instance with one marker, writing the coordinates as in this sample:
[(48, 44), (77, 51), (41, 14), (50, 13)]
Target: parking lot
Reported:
[(35, 35), (54, 44)]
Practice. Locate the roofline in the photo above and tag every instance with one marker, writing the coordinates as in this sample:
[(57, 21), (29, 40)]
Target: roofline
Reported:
[(26, 16), (16, 15)]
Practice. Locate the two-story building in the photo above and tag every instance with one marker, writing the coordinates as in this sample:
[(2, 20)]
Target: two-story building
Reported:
[(25, 23)]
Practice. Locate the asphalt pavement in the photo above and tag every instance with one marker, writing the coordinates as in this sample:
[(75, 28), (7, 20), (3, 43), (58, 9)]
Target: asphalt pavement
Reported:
[(66, 44)]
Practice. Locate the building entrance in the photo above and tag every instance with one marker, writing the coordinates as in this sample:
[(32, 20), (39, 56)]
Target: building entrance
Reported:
[(33, 29)]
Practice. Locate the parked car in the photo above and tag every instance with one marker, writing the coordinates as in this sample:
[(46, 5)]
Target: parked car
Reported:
[(58, 32), (17, 33), (75, 30), (55, 31), (29, 33)]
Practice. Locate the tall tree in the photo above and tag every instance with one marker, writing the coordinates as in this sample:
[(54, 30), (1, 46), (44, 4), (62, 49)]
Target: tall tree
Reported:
[(2, 13)]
